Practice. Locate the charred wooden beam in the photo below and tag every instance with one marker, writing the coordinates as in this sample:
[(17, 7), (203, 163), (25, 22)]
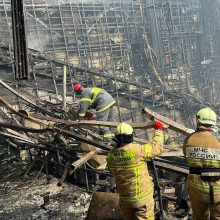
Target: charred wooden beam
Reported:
[(172, 124), (33, 117), (83, 139), (143, 125), (75, 165), (22, 114), (24, 98), (22, 138), (166, 165), (24, 129), (62, 131), (83, 159)]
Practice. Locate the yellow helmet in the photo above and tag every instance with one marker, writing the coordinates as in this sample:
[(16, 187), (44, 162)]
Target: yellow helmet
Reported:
[(206, 116), (124, 133), (124, 128)]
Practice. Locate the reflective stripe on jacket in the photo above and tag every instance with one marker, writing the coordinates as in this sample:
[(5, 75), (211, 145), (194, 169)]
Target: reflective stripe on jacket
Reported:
[(202, 150), (95, 98), (129, 169)]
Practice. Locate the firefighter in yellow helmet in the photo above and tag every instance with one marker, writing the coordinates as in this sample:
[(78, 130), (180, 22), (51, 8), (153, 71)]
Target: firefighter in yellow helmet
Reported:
[(202, 151), (127, 163)]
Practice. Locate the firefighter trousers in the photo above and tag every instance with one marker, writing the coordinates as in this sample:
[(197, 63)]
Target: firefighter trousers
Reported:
[(107, 115), (201, 205), (138, 211)]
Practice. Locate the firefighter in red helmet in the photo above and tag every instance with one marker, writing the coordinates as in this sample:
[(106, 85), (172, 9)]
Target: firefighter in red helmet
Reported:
[(99, 99)]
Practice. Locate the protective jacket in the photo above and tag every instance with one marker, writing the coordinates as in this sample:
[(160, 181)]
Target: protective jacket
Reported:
[(202, 150), (95, 98), (129, 169)]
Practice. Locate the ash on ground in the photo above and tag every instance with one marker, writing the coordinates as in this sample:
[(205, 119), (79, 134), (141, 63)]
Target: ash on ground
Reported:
[(22, 200)]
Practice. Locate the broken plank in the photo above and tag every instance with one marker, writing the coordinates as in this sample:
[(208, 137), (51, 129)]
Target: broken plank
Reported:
[(24, 129), (84, 159), (33, 117), (75, 165), (172, 124), (23, 98), (83, 139), (173, 168), (21, 113), (140, 125), (17, 137)]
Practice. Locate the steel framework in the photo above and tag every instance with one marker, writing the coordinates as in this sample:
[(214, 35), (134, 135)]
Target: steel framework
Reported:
[(155, 53)]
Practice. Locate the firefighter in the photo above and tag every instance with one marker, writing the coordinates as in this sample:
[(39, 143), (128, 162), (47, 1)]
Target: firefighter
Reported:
[(100, 100), (202, 152), (127, 163)]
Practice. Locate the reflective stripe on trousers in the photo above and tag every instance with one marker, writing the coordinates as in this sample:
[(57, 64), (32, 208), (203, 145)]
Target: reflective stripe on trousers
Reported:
[(203, 187), (202, 209), (138, 211), (139, 197)]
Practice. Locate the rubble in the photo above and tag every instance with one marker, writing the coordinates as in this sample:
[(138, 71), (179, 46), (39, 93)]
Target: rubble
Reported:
[(23, 200), (62, 148), (159, 60)]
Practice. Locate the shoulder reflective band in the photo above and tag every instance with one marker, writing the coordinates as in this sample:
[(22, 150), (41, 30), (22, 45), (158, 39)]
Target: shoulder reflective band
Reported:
[(203, 153), (95, 92)]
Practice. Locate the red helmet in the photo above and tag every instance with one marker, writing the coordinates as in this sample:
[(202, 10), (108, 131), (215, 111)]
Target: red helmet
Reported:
[(77, 87)]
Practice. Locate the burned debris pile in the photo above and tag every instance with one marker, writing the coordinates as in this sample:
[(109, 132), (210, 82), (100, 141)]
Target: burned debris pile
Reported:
[(42, 200), (40, 139), (158, 59)]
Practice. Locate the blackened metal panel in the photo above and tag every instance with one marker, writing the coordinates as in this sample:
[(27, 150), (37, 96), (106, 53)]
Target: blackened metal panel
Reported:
[(19, 40)]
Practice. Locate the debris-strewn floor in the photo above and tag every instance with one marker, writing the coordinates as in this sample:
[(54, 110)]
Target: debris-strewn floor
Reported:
[(22, 201)]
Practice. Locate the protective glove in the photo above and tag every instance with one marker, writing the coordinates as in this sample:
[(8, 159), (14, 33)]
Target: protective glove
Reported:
[(158, 125), (89, 116)]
